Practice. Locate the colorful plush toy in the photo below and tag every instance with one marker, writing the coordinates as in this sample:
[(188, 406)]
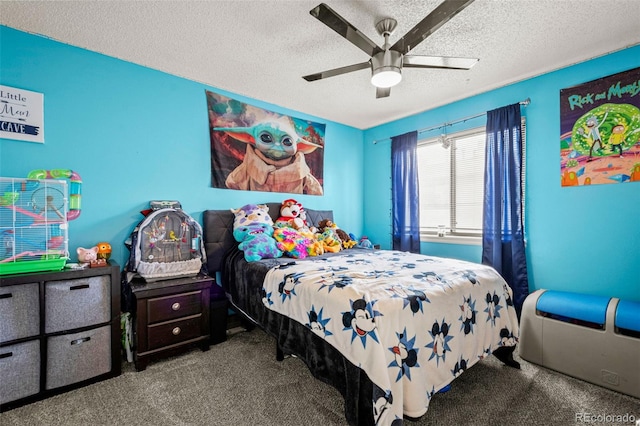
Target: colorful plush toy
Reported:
[(330, 241), (104, 250), (315, 248), (251, 213), (365, 243), (290, 215), (345, 240), (349, 244), (256, 241), (292, 242)]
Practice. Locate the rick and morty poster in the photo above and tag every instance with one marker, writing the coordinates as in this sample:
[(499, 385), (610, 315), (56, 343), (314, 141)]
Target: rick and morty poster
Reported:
[(600, 131), (254, 149)]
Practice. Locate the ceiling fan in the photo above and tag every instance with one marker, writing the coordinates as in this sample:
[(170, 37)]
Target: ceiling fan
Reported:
[(386, 62)]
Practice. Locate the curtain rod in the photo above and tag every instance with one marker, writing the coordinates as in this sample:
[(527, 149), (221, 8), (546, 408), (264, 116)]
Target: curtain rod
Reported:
[(451, 123)]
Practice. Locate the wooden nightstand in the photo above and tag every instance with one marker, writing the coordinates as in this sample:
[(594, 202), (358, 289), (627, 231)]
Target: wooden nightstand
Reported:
[(170, 316)]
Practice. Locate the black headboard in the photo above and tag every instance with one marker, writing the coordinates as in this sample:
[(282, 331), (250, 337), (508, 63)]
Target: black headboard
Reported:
[(218, 231)]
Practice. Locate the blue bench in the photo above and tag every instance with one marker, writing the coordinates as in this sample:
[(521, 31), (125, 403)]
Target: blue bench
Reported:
[(593, 338)]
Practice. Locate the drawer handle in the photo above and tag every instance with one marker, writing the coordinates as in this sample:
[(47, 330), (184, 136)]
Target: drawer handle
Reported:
[(6, 355), (176, 331), (79, 287), (6, 295), (79, 341), (175, 306)]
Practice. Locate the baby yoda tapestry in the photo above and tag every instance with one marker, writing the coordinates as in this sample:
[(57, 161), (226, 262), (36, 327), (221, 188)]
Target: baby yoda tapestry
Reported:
[(600, 131), (253, 149)]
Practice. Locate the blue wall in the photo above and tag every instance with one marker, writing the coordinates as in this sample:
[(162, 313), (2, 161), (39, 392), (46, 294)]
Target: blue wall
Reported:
[(136, 134), (581, 239)]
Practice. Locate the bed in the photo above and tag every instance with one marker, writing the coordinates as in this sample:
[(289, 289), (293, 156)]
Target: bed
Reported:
[(387, 329)]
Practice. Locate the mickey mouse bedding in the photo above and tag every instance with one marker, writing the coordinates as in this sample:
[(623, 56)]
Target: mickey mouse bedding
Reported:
[(412, 323)]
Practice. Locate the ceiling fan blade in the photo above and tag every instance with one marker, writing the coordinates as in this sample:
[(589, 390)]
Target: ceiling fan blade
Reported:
[(337, 71), (420, 61), (437, 18), (382, 92), (330, 18)]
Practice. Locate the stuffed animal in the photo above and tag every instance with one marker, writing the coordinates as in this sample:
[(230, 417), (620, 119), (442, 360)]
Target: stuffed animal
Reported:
[(345, 239), (251, 213), (290, 215), (315, 248), (330, 241), (365, 243), (306, 227), (293, 217), (256, 241), (87, 255), (323, 224), (292, 242), (104, 250)]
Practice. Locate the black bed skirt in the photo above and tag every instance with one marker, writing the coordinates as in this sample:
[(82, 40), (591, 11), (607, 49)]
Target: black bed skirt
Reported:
[(324, 361)]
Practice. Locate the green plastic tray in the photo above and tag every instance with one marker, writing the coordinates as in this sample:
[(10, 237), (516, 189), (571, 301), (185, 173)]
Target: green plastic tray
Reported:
[(21, 267)]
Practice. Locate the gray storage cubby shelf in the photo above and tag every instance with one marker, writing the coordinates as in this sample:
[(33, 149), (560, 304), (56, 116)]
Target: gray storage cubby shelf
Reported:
[(59, 331)]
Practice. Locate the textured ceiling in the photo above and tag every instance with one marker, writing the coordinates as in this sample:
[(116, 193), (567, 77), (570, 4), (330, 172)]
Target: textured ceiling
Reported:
[(261, 49)]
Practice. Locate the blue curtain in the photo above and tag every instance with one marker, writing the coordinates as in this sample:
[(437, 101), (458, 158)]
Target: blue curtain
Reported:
[(404, 187), (503, 229)]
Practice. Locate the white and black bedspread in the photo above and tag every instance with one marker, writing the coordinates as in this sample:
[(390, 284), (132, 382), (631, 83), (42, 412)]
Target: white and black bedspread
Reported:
[(412, 322)]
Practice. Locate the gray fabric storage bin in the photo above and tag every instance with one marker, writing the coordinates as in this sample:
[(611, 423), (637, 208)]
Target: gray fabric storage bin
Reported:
[(80, 356), (19, 371), (20, 312), (77, 303)]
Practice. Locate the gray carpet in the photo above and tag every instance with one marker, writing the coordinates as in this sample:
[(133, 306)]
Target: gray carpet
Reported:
[(239, 382)]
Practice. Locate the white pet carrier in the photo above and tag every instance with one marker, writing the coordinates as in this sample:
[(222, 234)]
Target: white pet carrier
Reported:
[(166, 244)]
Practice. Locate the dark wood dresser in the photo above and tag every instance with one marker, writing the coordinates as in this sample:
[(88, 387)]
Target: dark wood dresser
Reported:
[(171, 316)]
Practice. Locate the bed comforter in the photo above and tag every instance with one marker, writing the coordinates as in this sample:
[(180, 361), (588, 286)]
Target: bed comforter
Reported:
[(411, 322)]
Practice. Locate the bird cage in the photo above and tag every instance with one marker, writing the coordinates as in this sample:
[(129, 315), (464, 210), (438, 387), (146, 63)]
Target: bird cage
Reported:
[(33, 225)]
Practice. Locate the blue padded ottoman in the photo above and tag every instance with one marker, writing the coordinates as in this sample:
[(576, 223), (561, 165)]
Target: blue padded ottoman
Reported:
[(593, 338)]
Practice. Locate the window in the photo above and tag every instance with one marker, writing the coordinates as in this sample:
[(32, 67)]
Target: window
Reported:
[(451, 179)]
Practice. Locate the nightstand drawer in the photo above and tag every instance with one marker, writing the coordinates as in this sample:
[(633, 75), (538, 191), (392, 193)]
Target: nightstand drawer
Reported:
[(174, 306), (20, 311), (172, 332)]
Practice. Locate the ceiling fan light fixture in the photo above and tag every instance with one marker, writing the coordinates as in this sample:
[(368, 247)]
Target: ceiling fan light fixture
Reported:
[(386, 69), (386, 77)]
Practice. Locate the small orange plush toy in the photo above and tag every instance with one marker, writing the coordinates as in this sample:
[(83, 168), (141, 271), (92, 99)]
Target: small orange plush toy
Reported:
[(104, 250)]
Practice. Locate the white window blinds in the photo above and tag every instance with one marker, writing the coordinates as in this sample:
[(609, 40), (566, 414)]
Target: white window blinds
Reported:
[(451, 174)]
